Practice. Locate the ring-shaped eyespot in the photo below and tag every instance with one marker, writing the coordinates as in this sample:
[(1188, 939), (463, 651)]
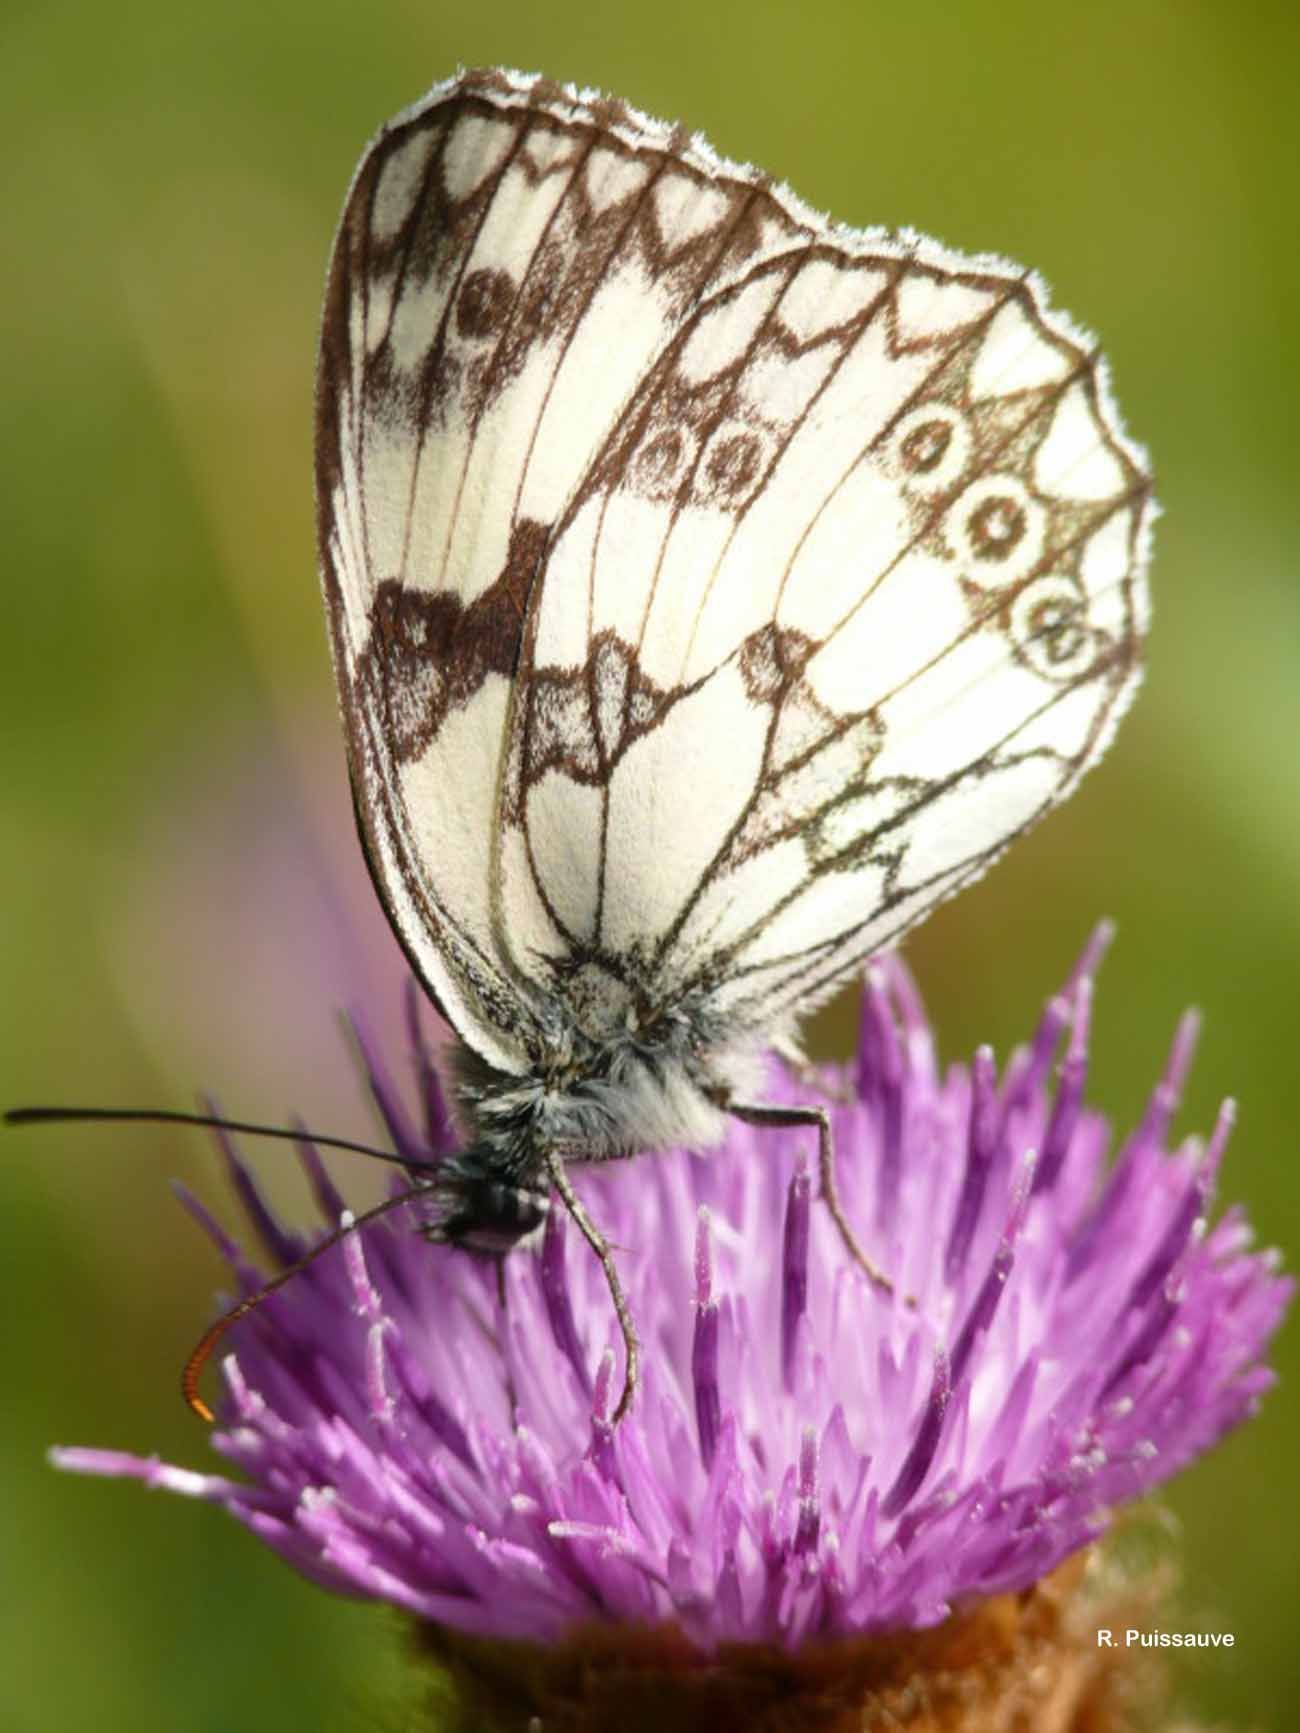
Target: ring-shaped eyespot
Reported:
[(731, 465), (1050, 630), (484, 303), (930, 448), (661, 461), (996, 529)]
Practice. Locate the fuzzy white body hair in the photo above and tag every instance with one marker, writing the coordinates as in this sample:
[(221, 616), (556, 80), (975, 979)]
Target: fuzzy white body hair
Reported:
[(613, 1098), (585, 1100)]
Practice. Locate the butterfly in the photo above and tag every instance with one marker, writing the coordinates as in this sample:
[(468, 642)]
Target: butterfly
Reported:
[(712, 589)]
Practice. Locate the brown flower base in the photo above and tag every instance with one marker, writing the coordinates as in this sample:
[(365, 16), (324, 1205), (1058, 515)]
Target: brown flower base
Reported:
[(1024, 1663)]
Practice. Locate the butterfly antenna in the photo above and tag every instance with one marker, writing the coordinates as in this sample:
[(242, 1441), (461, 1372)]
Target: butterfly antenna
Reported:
[(600, 1245), (166, 1116), (193, 1368)]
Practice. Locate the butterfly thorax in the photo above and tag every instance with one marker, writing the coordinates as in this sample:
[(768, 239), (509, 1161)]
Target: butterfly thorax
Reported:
[(657, 1084)]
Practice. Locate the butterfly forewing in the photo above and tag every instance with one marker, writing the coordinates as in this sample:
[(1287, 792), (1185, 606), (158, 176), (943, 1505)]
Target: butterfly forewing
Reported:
[(712, 590)]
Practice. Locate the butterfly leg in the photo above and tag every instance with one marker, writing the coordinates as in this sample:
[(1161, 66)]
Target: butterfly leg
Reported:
[(554, 1163), (750, 1114)]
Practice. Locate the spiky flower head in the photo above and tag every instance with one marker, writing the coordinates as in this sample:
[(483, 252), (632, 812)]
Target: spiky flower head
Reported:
[(806, 1459)]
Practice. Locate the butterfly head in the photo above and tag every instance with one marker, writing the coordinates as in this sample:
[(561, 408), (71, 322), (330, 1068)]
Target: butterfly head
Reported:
[(486, 1210)]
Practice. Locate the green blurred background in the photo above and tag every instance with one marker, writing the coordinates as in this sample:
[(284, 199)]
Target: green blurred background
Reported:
[(170, 179)]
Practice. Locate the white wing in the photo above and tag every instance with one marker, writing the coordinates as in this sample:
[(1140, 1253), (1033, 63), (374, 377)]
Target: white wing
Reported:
[(712, 590)]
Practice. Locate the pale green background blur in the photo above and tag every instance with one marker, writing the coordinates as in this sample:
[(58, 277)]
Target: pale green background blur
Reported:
[(169, 181)]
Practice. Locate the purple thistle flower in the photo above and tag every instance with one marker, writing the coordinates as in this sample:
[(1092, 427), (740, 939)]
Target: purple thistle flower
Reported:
[(805, 1458)]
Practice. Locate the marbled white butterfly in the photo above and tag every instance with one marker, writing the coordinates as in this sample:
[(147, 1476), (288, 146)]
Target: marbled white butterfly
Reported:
[(713, 589)]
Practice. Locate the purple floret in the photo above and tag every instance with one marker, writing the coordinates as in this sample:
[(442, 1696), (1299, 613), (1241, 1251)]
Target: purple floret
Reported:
[(806, 1457)]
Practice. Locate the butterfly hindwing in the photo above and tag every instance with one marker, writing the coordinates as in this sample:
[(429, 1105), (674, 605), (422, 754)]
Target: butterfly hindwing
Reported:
[(711, 590), (859, 576)]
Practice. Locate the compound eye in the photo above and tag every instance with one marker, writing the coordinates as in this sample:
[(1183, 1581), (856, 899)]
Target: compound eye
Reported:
[(491, 1216), (532, 1209)]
